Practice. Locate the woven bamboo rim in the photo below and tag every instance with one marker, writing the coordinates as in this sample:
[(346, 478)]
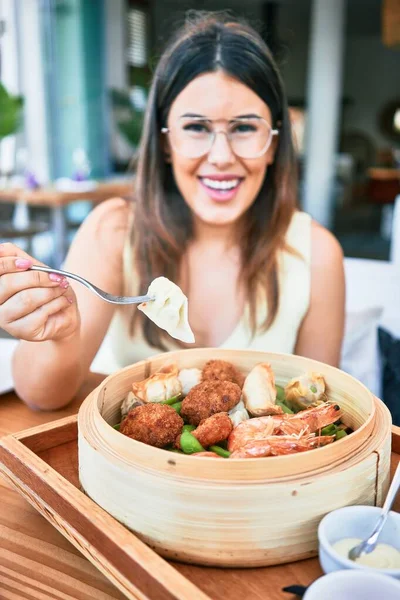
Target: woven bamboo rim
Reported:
[(101, 410)]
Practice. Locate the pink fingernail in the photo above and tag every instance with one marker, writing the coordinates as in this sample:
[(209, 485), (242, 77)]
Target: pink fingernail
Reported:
[(54, 277), (70, 300), (23, 263), (64, 284)]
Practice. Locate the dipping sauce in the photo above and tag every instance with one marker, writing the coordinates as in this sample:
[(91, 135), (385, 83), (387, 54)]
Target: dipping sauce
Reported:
[(383, 557)]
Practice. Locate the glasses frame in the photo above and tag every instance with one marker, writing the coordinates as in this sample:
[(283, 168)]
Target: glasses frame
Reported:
[(273, 132)]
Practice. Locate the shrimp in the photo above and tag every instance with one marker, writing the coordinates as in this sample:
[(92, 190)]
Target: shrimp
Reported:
[(304, 422), (307, 421), (206, 454), (258, 428), (278, 445)]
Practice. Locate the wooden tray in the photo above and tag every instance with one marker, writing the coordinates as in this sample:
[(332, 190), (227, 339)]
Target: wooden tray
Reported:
[(42, 464)]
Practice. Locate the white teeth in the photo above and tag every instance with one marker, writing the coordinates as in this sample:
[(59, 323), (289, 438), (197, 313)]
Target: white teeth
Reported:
[(220, 185)]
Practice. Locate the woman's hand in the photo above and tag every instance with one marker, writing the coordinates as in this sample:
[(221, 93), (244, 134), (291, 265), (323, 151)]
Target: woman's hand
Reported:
[(34, 306)]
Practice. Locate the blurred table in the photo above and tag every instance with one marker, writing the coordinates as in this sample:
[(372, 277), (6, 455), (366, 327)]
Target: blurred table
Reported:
[(383, 184), (382, 189), (57, 200)]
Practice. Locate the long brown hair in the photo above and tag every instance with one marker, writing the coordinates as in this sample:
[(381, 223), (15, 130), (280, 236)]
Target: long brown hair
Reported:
[(162, 224)]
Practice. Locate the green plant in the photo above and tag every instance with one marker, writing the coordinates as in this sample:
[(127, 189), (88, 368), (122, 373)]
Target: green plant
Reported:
[(10, 112), (128, 118)]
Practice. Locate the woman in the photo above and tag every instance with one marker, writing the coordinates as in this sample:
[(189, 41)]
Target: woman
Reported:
[(215, 211)]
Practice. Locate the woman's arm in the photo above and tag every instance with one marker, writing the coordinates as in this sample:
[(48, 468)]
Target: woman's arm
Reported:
[(321, 332), (48, 374)]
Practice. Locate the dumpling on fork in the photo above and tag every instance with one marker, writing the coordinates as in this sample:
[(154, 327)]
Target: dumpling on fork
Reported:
[(259, 392), (169, 309), (306, 390)]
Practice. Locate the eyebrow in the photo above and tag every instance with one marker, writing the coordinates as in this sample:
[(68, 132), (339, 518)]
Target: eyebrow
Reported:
[(249, 116), (196, 116)]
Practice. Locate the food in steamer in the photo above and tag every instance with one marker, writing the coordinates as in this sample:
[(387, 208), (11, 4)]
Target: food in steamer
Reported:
[(218, 412)]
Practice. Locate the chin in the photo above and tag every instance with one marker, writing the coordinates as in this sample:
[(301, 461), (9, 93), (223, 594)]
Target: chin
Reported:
[(219, 217)]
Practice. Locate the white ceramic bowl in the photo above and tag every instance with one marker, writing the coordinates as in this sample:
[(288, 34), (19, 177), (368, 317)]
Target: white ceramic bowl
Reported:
[(354, 585), (357, 522)]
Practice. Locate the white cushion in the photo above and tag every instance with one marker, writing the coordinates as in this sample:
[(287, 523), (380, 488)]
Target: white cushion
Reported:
[(360, 351), (371, 284), (372, 299)]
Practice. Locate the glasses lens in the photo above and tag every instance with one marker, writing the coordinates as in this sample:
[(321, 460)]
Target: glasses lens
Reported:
[(192, 138), (249, 137)]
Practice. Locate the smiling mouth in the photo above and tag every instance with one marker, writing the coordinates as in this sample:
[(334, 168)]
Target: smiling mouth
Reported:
[(226, 185)]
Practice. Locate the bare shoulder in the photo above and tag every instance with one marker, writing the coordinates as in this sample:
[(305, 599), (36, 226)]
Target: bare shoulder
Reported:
[(109, 216), (107, 224), (326, 251)]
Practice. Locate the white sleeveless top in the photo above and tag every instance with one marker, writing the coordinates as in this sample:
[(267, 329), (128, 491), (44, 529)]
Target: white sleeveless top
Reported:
[(119, 349)]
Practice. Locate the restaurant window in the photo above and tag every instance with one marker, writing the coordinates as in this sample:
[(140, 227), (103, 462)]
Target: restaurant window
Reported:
[(130, 98), (138, 53)]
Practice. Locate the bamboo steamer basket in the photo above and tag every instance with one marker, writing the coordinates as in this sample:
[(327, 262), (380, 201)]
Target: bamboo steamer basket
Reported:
[(232, 512)]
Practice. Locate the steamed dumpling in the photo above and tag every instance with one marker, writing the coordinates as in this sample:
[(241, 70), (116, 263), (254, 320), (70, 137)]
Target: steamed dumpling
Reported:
[(238, 414), (169, 309), (189, 378), (160, 386), (259, 392), (129, 402), (306, 390)]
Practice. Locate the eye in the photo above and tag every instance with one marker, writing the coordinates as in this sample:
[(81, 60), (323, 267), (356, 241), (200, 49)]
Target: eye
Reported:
[(243, 128), (196, 127)]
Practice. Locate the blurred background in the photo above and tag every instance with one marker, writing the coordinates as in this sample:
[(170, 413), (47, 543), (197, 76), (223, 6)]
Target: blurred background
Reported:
[(74, 77)]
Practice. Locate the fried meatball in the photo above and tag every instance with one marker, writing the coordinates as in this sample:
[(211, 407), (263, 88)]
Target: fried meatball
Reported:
[(221, 370), (209, 397), (213, 430), (153, 424)]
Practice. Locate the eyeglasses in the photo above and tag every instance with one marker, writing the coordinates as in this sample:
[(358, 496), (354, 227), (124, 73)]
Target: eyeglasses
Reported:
[(194, 137)]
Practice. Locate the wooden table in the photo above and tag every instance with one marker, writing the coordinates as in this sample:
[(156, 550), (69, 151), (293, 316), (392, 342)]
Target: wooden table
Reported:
[(383, 185), (38, 563), (383, 173), (56, 201)]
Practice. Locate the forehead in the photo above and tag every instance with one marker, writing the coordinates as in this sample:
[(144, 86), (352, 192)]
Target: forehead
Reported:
[(218, 96)]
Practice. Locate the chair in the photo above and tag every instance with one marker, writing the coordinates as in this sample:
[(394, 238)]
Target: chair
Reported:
[(20, 228)]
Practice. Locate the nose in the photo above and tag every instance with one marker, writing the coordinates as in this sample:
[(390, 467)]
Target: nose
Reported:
[(221, 152)]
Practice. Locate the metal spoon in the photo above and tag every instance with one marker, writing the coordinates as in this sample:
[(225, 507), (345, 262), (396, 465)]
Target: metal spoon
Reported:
[(369, 544)]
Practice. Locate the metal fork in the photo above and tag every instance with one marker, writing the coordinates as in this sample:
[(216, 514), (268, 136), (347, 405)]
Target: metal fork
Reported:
[(369, 544), (100, 293)]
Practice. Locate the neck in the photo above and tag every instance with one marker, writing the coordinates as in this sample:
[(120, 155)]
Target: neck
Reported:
[(224, 236)]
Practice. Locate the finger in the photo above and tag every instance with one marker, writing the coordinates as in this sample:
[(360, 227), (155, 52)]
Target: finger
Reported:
[(37, 322), (13, 283), (26, 302), (15, 264), (9, 249)]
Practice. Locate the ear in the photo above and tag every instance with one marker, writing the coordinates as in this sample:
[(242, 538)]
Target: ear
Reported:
[(166, 148), (270, 156)]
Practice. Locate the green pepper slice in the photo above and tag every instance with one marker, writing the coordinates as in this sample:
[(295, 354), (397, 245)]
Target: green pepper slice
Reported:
[(220, 451), (189, 444), (172, 400)]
